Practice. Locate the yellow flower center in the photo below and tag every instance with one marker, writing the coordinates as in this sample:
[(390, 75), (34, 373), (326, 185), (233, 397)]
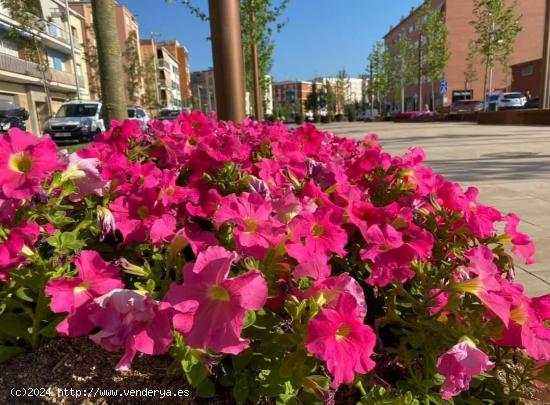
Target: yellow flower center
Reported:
[(251, 225), (519, 315), (343, 331), (218, 293), (317, 230), (143, 212), (20, 162), (472, 286), (82, 287)]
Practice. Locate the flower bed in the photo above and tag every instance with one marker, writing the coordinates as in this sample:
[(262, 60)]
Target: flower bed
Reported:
[(274, 263)]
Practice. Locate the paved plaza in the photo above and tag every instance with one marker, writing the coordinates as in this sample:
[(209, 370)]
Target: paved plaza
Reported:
[(509, 164)]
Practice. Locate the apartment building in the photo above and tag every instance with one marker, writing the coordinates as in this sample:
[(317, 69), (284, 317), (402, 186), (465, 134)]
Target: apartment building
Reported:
[(165, 86), (293, 94), (40, 88), (458, 16), (182, 56), (129, 42), (203, 90)]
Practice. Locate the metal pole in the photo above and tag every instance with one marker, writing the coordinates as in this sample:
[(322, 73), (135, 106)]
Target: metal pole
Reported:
[(73, 53), (258, 99), (420, 72), (225, 29), (544, 100)]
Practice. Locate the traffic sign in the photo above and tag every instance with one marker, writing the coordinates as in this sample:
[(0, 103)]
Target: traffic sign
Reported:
[(443, 87)]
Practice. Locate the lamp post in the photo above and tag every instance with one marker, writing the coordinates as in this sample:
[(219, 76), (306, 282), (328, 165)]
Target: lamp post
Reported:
[(73, 53), (227, 53), (153, 46), (544, 99)]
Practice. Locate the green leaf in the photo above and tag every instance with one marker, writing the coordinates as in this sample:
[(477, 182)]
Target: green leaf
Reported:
[(14, 326), (197, 375), (49, 330), (249, 319), (227, 380), (7, 352), (241, 390), (242, 360), (206, 389)]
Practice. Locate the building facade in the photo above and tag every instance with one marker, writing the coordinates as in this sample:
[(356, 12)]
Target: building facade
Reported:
[(292, 95), (40, 79), (458, 16), (204, 90), (182, 56)]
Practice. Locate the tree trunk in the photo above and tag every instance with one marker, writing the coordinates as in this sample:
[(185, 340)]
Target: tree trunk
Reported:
[(110, 61), (485, 87), (433, 96)]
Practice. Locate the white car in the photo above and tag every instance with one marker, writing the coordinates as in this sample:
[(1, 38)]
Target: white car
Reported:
[(505, 101), (76, 120), (138, 114)]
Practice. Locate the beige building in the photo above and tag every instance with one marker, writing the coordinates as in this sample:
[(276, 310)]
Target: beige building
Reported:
[(182, 56), (26, 84)]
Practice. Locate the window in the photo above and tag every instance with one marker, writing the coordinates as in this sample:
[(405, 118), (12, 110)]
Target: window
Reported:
[(8, 46), (77, 110), (527, 70), (56, 60), (74, 32), (8, 102)]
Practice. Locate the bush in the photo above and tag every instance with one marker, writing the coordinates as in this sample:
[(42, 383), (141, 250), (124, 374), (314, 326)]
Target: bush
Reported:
[(299, 119), (316, 118), (339, 117), (352, 114), (273, 262)]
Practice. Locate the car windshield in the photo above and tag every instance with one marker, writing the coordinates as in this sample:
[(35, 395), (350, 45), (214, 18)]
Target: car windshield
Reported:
[(77, 110), (169, 113), (513, 96), (494, 98), (131, 113)]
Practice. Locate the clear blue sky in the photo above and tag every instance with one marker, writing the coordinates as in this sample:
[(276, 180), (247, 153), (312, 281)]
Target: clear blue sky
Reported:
[(321, 36)]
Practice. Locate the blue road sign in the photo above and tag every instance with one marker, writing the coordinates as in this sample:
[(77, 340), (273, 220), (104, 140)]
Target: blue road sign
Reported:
[(443, 87)]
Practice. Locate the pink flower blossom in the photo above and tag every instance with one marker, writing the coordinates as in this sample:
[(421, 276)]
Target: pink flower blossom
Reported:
[(133, 322), (522, 245), (24, 162), (458, 365), (84, 172), (337, 336), (222, 301), (11, 255), (73, 295)]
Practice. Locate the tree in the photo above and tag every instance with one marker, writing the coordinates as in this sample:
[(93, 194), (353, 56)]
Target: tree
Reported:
[(110, 60), (470, 74), (312, 101), (436, 53), (497, 28), (342, 90), (149, 99), (27, 13), (402, 67), (90, 56), (259, 30), (133, 68), (380, 74)]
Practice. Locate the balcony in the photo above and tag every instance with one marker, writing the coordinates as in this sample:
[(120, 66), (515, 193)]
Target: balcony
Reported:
[(56, 32), (63, 77), (13, 64)]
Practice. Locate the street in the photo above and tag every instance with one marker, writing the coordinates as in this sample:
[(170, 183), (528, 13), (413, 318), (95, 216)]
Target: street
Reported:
[(509, 164)]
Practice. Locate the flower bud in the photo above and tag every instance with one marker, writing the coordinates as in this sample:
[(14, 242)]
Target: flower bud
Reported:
[(106, 222), (130, 268)]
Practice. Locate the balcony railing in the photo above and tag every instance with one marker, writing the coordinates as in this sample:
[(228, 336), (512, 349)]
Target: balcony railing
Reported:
[(56, 32), (15, 65), (63, 77)]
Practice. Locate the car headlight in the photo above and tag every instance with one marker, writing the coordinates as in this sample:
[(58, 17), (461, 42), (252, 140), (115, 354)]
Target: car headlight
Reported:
[(4, 126), (86, 125)]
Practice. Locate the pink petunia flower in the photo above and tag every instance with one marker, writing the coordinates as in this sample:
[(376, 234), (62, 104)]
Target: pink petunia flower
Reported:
[(73, 295), (458, 365), (522, 245), (337, 336), (11, 250), (84, 172), (24, 162), (133, 322), (222, 301)]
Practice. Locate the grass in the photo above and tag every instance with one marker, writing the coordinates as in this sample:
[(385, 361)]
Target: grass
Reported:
[(73, 148)]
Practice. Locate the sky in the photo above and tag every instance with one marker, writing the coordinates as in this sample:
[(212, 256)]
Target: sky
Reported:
[(320, 38)]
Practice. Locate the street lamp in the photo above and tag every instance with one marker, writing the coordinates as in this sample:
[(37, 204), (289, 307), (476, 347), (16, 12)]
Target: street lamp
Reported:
[(153, 46)]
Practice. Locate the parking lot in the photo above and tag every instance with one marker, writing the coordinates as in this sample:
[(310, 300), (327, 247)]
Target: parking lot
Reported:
[(509, 164)]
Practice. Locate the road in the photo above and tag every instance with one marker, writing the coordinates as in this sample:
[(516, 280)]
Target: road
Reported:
[(509, 164)]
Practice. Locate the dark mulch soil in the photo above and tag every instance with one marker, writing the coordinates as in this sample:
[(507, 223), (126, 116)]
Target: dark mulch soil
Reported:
[(80, 365)]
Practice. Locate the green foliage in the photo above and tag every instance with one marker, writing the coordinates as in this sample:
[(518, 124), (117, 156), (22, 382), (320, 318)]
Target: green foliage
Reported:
[(133, 68), (380, 71)]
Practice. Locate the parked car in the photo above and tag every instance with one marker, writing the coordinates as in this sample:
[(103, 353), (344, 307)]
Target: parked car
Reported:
[(13, 118), (76, 121), (368, 115), (169, 114), (505, 101), (138, 114), (533, 103), (466, 106)]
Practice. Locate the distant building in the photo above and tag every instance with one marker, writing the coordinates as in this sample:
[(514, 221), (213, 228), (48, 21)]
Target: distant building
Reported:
[(182, 55), (268, 95), (458, 15), (353, 89), (129, 40), (203, 90), (22, 81), (291, 95)]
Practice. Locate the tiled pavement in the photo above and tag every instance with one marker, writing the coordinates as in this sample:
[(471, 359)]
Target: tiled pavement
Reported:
[(509, 164)]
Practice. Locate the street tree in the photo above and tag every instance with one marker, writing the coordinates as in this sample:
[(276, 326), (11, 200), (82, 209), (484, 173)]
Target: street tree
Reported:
[(470, 73), (110, 61), (434, 43), (133, 68), (27, 14), (380, 74), (259, 30), (497, 27), (402, 68), (342, 89)]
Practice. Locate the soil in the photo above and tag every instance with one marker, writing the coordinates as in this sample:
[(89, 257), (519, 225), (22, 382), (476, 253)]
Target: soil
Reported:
[(78, 364)]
